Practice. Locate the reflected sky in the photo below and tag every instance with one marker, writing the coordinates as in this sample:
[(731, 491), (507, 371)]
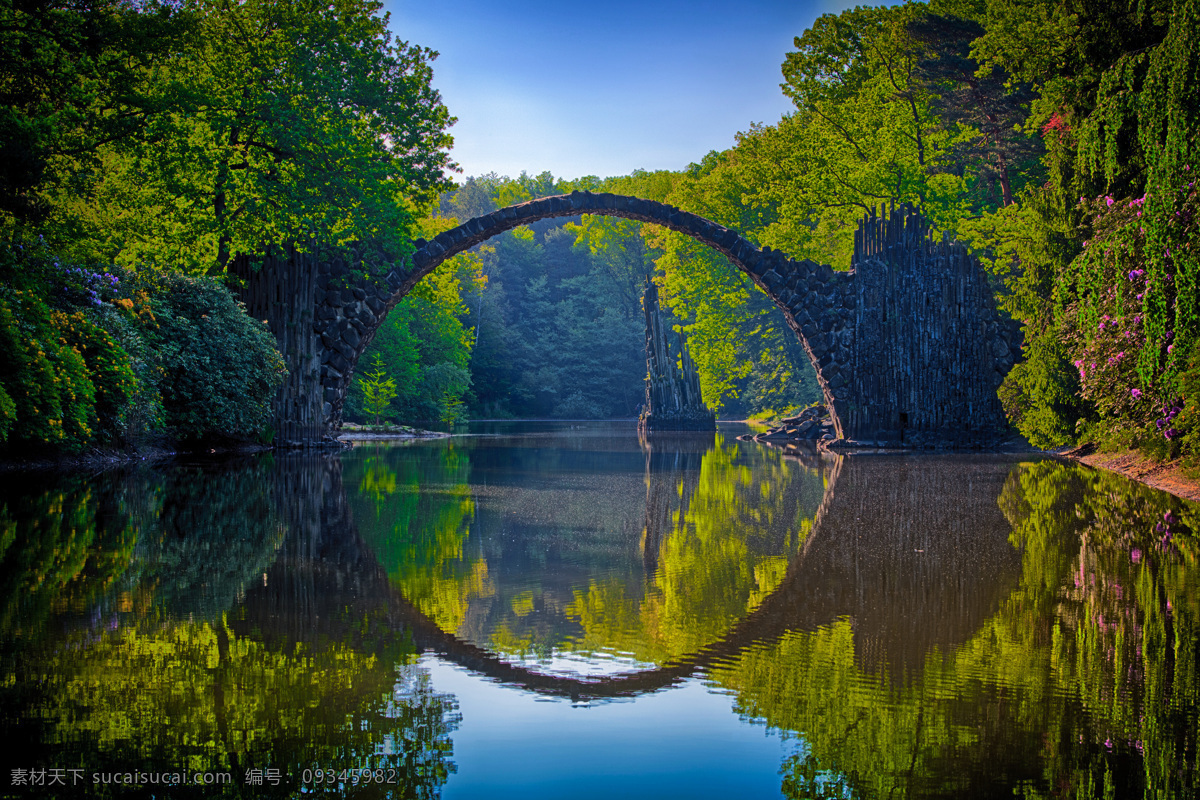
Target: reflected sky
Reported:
[(681, 743)]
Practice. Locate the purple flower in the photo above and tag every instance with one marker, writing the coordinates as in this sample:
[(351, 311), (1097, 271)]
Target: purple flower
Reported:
[(1137, 393)]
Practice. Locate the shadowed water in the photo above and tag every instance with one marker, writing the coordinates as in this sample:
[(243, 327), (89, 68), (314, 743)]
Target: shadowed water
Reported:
[(568, 610)]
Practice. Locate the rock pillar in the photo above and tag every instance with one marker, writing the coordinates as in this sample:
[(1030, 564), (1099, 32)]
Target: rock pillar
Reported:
[(673, 401)]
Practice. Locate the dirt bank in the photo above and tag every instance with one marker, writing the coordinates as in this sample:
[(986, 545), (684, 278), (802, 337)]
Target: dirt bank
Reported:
[(1165, 475)]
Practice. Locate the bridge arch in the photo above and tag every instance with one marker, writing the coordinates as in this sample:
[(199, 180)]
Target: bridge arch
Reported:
[(908, 346), (810, 295)]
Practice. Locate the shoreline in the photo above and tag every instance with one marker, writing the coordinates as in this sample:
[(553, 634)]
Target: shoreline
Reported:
[(1166, 476)]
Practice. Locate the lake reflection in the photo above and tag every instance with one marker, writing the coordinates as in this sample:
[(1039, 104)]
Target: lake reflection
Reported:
[(576, 612)]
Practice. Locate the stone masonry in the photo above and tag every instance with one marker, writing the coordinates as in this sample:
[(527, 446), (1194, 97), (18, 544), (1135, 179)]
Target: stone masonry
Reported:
[(908, 347)]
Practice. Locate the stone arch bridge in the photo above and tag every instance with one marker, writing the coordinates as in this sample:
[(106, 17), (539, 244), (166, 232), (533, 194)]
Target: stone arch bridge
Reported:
[(908, 347)]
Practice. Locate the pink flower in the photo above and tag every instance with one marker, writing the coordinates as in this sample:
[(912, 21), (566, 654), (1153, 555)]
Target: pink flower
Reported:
[(1108, 201), (1135, 555), (1136, 393)]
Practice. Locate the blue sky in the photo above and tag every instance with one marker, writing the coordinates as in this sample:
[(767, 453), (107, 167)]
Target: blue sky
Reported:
[(603, 88)]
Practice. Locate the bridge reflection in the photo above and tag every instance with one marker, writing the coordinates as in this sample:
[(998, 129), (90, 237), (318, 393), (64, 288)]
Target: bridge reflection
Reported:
[(926, 626), (913, 551)]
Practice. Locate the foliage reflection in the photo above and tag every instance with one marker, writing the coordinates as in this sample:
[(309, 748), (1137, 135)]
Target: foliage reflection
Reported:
[(1085, 683), (140, 635), (543, 565)]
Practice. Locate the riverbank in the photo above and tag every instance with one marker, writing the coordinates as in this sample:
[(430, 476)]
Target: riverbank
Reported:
[(351, 432), (1167, 476), (110, 458)]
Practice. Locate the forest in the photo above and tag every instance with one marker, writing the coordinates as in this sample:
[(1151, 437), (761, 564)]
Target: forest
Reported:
[(147, 145)]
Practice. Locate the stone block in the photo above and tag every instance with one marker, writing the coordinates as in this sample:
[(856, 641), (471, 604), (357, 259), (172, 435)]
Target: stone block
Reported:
[(338, 361)]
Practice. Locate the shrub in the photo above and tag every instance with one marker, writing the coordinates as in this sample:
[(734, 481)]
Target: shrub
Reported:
[(108, 369), (220, 368), (51, 401), (1129, 321), (1040, 394)]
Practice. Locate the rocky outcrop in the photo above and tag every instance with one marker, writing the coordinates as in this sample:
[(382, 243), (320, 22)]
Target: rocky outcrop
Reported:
[(813, 424), (673, 400)]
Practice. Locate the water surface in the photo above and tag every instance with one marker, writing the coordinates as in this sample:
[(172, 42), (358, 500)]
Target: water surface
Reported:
[(566, 610)]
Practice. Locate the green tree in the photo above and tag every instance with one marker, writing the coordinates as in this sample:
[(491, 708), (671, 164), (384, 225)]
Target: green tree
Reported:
[(378, 390), (300, 121), (76, 78)]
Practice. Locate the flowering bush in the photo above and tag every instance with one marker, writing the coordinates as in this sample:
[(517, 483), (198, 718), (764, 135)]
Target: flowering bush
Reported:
[(220, 368), (50, 399), (93, 356), (1127, 325)]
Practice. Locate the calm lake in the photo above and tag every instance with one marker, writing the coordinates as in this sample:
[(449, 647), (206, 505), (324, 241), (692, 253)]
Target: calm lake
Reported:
[(564, 610)]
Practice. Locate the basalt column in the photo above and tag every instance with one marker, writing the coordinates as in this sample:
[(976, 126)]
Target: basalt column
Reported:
[(930, 347), (673, 401), (281, 291)]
